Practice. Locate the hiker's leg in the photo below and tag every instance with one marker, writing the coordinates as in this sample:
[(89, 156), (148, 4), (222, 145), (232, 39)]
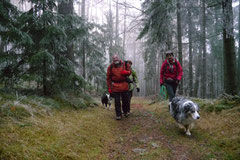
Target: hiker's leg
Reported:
[(125, 101), (117, 98), (170, 91), (130, 93), (174, 86)]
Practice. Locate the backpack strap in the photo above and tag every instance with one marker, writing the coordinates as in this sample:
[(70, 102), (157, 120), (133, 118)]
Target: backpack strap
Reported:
[(124, 66), (175, 63)]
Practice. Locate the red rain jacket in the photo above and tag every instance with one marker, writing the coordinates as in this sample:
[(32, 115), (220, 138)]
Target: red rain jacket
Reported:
[(116, 80), (165, 72)]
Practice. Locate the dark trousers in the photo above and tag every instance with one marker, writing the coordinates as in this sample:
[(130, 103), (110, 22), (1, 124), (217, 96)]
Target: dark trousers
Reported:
[(118, 97), (130, 93), (171, 89)]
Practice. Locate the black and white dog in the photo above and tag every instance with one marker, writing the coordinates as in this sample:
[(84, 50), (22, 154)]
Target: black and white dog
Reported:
[(185, 112), (106, 100)]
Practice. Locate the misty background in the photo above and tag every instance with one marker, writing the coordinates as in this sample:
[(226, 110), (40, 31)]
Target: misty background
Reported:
[(52, 46)]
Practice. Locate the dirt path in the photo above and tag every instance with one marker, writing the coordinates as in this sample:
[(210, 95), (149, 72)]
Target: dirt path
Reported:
[(143, 136), (149, 133)]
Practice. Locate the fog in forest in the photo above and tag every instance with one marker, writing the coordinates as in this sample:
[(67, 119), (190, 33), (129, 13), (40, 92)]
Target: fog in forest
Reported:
[(43, 41)]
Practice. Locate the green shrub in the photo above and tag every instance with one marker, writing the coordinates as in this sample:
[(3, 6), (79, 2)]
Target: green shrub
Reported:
[(16, 112)]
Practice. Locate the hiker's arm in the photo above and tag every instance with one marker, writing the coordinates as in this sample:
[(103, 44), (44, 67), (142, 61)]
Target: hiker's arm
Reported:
[(135, 78), (180, 71), (109, 77), (162, 73)]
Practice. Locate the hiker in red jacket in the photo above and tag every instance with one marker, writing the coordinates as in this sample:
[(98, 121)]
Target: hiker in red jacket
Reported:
[(117, 85), (170, 74)]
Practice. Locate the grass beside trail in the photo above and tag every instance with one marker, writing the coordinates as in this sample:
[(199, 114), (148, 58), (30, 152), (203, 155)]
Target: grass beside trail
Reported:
[(215, 136), (68, 134), (150, 133)]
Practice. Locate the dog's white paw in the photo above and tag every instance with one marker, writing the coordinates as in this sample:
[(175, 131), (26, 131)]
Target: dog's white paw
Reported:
[(188, 133)]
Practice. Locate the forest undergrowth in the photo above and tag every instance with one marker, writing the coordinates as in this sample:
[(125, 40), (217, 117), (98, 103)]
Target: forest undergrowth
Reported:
[(35, 129)]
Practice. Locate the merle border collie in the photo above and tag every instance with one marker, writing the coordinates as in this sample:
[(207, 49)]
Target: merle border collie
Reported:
[(106, 101), (185, 112)]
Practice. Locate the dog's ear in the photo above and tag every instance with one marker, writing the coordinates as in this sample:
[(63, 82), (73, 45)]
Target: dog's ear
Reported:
[(197, 107), (187, 107)]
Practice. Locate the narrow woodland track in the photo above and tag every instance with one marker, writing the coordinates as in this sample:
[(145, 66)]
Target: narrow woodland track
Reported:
[(149, 133), (141, 136)]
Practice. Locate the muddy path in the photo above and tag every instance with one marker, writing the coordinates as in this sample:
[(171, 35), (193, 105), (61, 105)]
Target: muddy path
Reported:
[(145, 135)]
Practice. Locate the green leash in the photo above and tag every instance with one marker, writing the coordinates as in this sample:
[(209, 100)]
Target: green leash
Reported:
[(163, 93)]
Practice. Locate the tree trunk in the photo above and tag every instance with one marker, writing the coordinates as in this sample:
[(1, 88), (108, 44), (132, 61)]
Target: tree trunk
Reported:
[(124, 29), (111, 33), (198, 71), (44, 78), (238, 62), (204, 58), (158, 70), (217, 78), (230, 81), (190, 85), (117, 23), (179, 37), (1, 46), (211, 82), (83, 43), (66, 8)]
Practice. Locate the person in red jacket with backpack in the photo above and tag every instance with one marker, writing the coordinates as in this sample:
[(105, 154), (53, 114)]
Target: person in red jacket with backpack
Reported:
[(117, 73), (170, 74)]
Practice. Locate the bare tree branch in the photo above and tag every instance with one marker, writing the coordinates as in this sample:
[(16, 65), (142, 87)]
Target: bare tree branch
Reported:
[(129, 6)]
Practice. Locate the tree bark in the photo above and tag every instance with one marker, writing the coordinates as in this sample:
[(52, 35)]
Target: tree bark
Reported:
[(238, 62), (124, 29), (230, 81), (179, 37), (117, 23), (110, 23), (44, 78), (204, 57), (83, 43), (66, 8), (190, 85), (198, 71)]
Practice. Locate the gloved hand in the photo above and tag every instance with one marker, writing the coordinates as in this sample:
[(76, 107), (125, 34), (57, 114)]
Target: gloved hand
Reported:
[(177, 81), (125, 73), (138, 89), (110, 90), (128, 80)]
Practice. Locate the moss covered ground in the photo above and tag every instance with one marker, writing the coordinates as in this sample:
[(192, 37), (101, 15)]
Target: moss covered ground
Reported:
[(33, 131)]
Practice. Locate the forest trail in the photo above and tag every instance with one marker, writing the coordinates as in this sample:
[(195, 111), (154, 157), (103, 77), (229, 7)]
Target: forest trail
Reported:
[(149, 133), (143, 136)]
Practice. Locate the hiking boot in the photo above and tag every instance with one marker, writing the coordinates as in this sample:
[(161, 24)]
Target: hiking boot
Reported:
[(126, 114), (118, 118)]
